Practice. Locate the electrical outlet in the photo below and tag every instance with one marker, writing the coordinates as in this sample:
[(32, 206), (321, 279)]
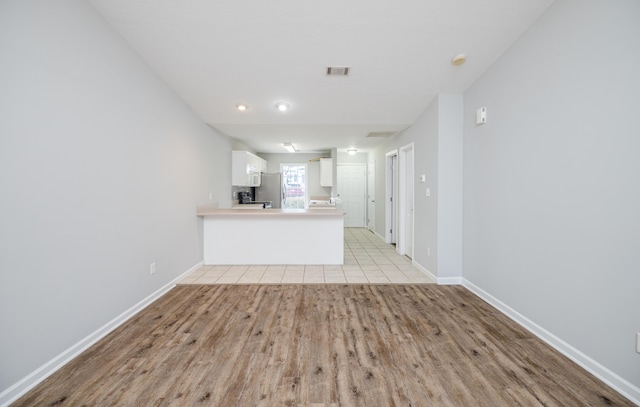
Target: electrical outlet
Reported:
[(428, 251), (428, 192), (211, 196), (638, 342), (152, 269)]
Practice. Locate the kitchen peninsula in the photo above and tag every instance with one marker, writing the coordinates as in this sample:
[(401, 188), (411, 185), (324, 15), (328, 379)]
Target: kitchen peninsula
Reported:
[(272, 236)]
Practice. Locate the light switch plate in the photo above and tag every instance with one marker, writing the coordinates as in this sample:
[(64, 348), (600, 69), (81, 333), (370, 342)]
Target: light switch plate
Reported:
[(428, 192), (638, 342), (481, 115)]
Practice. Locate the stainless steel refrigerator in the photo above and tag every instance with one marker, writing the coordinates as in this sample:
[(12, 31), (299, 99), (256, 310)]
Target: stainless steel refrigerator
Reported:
[(271, 189)]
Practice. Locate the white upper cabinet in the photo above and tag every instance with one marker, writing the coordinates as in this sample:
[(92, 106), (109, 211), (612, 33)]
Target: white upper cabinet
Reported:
[(246, 169), (262, 164), (326, 172)]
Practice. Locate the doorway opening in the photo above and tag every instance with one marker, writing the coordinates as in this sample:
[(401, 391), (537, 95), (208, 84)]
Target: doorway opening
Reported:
[(371, 196), (391, 191)]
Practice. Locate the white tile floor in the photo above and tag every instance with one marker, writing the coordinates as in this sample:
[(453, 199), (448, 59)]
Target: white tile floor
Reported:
[(367, 260)]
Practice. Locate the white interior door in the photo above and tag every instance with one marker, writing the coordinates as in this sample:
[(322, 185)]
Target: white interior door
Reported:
[(405, 201), (351, 190), (408, 203), (371, 196)]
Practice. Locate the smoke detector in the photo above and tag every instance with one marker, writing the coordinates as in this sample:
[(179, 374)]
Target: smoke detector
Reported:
[(459, 59), (338, 70)]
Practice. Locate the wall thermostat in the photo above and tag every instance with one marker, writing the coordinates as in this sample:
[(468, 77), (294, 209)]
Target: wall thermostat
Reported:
[(423, 178), (481, 115)]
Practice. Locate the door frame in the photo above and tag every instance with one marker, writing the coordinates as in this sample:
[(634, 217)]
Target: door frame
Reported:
[(371, 199), (391, 190), (405, 185)]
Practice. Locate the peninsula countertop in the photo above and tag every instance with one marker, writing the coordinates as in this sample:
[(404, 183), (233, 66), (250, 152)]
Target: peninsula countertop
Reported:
[(208, 210), (272, 236)]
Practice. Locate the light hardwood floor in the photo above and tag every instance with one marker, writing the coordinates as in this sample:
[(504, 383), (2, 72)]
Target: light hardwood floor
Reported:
[(367, 259), (321, 345)]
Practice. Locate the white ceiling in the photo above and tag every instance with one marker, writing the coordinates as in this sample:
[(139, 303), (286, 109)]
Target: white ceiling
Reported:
[(218, 53)]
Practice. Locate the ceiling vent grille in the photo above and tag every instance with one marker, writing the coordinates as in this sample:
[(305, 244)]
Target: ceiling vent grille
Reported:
[(381, 134), (338, 70)]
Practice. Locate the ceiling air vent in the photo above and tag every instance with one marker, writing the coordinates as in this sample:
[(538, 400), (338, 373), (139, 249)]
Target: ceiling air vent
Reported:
[(338, 70), (381, 134)]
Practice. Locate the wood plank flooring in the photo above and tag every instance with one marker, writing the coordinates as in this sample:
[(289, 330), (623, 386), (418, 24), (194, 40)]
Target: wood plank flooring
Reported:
[(321, 345)]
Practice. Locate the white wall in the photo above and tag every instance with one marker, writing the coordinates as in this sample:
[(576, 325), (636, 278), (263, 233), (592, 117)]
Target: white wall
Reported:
[(449, 190), (101, 169), (552, 180), (424, 134)]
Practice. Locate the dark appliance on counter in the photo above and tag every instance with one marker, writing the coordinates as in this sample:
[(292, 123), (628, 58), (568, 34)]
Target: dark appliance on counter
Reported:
[(246, 198)]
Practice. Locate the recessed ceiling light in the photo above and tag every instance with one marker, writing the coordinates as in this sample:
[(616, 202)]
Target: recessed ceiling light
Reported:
[(352, 151), (242, 107), (459, 59), (282, 106)]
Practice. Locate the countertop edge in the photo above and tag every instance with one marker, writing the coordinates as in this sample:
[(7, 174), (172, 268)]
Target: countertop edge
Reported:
[(217, 212)]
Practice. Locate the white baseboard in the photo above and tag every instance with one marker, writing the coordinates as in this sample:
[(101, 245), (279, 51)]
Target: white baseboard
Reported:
[(438, 280), (424, 270), (380, 236), (17, 390), (619, 384), (449, 280)]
